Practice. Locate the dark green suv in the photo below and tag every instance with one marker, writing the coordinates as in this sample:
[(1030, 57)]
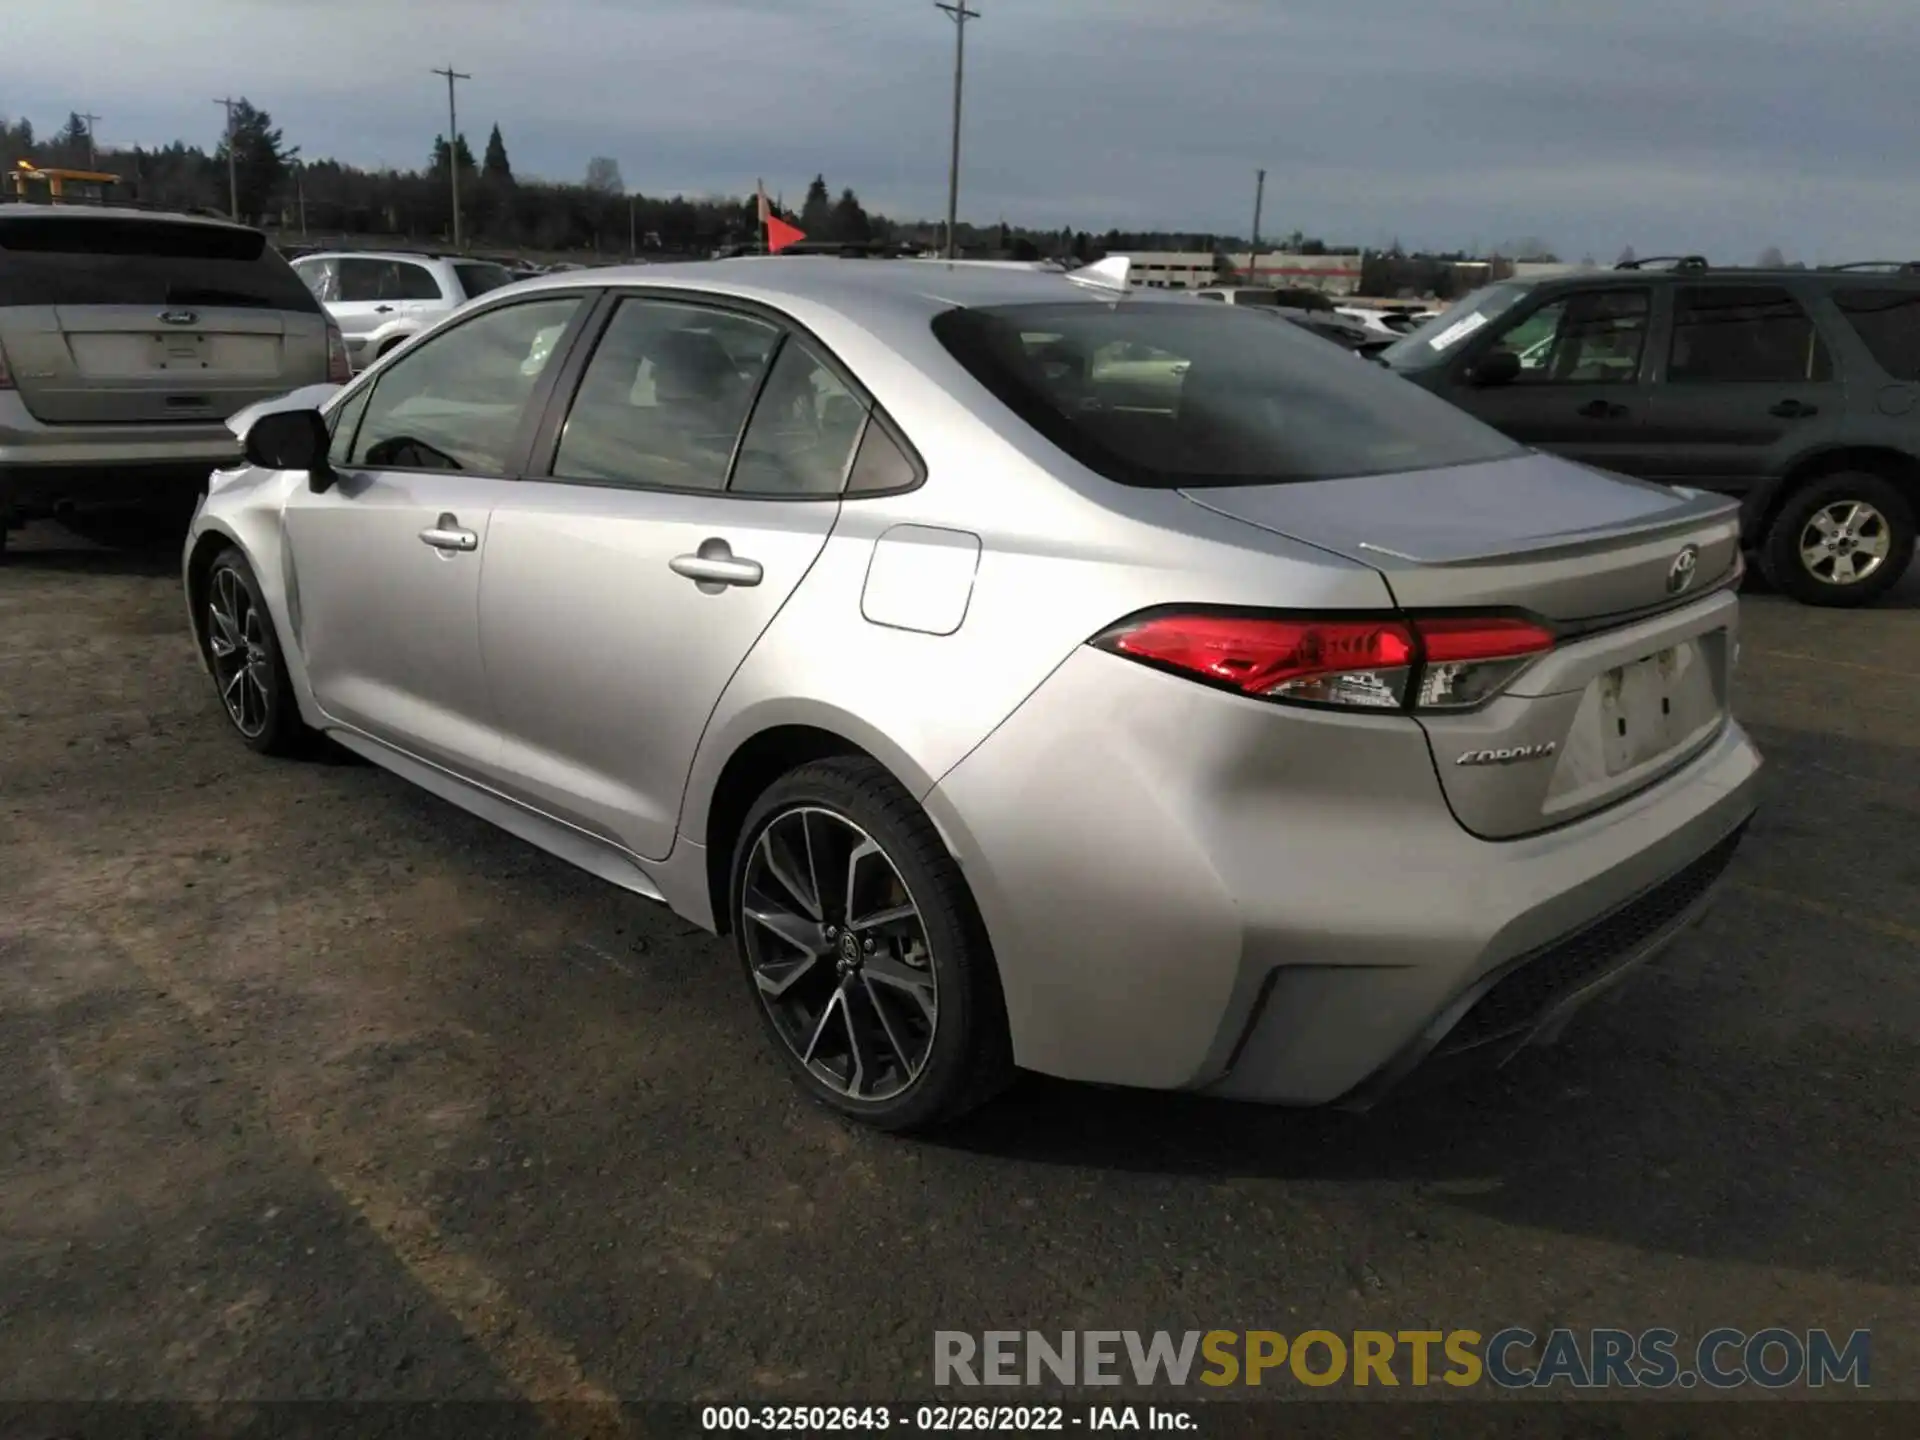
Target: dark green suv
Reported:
[(1796, 390)]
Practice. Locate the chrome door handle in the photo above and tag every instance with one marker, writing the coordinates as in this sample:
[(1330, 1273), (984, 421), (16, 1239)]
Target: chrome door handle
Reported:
[(716, 564), (446, 534)]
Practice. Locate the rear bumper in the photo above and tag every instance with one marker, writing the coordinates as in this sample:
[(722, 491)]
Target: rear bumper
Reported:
[(1187, 890), (43, 466)]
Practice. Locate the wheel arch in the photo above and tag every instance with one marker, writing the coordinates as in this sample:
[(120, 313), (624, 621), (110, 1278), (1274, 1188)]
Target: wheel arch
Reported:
[(1895, 466), (757, 754)]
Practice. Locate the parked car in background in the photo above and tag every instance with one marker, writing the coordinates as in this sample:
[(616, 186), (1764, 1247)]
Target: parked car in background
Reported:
[(381, 299), (1022, 671), (1797, 391), (127, 338)]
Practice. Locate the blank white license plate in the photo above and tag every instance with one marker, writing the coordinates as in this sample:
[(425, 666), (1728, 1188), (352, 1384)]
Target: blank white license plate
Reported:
[(1642, 707)]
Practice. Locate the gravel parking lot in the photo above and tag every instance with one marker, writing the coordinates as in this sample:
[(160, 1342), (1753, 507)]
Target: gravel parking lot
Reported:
[(315, 1087)]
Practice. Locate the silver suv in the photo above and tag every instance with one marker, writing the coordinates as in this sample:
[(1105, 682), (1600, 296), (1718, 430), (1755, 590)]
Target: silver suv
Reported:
[(380, 299), (127, 338)]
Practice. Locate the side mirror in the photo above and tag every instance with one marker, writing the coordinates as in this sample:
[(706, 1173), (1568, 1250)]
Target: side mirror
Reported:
[(291, 440), (1498, 367)]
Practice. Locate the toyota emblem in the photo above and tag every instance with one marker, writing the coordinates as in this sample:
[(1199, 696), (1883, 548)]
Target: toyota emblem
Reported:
[(1685, 566), (177, 317)]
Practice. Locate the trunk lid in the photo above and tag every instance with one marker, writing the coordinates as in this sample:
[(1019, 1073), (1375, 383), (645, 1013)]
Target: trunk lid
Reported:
[(118, 318), (1638, 681)]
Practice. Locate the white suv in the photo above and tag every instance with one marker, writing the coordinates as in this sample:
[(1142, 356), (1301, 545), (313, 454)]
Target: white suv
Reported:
[(382, 298)]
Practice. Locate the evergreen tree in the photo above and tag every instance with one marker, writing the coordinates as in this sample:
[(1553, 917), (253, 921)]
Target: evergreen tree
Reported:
[(495, 166)]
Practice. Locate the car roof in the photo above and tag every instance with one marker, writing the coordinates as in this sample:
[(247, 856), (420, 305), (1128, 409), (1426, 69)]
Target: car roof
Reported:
[(88, 213), (1714, 275), (419, 257), (907, 288)]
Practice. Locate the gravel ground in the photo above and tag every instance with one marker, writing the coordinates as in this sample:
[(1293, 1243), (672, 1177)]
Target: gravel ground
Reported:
[(315, 1088)]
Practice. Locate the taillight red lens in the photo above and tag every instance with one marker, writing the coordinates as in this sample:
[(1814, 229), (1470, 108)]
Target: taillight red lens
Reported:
[(339, 367), (1431, 663), (1327, 662), (1467, 660)]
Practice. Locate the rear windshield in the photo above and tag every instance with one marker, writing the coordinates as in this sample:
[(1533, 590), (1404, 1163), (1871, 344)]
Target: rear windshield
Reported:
[(1168, 395), (477, 277), (97, 260)]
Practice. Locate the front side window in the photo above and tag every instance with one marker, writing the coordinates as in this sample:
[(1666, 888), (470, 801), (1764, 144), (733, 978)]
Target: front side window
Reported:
[(344, 424), (1888, 324), (455, 401), (663, 399), (1168, 395), (804, 427), (358, 280), (1743, 334), (1592, 337)]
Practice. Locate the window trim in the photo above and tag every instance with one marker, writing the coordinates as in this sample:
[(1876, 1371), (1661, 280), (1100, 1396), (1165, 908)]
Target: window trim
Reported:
[(545, 446), (535, 405)]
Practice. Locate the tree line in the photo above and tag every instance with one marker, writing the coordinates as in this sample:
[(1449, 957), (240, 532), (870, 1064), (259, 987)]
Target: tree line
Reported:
[(273, 185)]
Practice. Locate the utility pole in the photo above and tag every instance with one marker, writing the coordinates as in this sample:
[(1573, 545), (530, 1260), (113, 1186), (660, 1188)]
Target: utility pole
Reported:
[(961, 14), (633, 247), (300, 193), (453, 146), (93, 152), (233, 170), (1253, 255)]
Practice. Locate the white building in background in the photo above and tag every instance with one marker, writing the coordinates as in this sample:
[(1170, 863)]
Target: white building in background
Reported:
[(1193, 269)]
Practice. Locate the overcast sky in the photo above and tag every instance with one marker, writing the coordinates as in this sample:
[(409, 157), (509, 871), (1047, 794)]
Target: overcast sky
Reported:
[(1720, 126)]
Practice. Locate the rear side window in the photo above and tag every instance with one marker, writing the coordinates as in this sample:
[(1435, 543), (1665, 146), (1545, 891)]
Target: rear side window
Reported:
[(478, 277), (1888, 324), (1743, 334), (100, 260), (1172, 395)]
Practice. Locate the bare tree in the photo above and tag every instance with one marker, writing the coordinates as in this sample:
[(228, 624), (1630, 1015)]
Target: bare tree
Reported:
[(1771, 259), (603, 174), (1627, 256)]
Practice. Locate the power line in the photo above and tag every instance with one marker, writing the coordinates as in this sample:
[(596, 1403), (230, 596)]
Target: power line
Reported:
[(960, 14), (453, 146), (233, 170)]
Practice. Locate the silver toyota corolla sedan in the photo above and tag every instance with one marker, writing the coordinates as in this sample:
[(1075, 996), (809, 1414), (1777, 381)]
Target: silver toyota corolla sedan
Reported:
[(1024, 670)]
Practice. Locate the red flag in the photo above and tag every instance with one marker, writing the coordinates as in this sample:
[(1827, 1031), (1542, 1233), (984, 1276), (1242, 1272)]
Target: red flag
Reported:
[(779, 233)]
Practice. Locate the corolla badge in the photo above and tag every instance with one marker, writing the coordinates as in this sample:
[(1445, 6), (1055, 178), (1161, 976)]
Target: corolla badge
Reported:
[(1511, 756), (177, 317), (1685, 566)]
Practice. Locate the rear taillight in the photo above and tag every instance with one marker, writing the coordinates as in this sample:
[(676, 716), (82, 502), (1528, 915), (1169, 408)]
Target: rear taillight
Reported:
[(339, 367), (1391, 663), (1467, 660), (6, 375), (1323, 662)]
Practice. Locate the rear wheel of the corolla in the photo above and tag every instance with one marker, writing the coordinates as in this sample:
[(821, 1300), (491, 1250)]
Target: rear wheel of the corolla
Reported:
[(243, 654), (863, 950), (1841, 540)]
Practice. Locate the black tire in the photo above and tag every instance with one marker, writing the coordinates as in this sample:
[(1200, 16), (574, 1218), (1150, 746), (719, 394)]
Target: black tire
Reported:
[(254, 692), (1792, 575), (968, 1057)]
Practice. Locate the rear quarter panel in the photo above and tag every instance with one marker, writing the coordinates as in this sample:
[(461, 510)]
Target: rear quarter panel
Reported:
[(1063, 554)]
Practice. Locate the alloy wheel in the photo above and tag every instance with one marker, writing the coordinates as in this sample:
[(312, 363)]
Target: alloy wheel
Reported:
[(1845, 542), (237, 643), (839, 954)]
